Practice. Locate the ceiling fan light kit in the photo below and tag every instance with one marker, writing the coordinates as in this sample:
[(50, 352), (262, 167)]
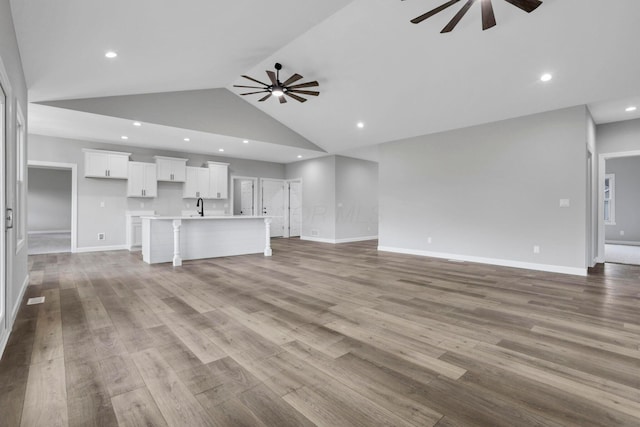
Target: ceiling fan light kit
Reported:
[(281, 90), (488, 17)]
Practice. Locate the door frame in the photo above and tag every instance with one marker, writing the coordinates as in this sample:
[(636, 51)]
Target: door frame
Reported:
[(287, 207), (283, 181), (256, 189), (602, 158), (74, 193)]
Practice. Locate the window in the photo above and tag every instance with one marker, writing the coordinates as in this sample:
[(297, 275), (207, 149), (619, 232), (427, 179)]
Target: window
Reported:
[(609, 199), (20, 216)]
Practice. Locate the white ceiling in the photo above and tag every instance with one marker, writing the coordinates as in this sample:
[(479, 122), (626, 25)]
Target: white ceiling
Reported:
[(374, 66)]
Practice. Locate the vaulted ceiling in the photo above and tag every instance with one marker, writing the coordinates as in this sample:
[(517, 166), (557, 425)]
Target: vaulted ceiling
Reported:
[(400, 79)]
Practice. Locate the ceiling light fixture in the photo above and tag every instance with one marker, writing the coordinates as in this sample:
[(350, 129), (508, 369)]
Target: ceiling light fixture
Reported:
[(111, 54), (546, 77), (246, 141), (277, 92), (138, 124), (187, 139), (360, 125), (631, 109), (221, 150), (299, 156), (124, 137), (278, 89)]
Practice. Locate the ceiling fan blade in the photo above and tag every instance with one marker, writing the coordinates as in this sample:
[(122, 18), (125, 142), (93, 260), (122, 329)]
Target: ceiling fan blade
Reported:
[(251, 87), (254, 80), (429, 14), (292, 79), (488, 17), (526, 5), (304, 92), (452, 24), (272, 77), (251, 93), (301, 85), (265, 98), (282, 100), (296, 97)]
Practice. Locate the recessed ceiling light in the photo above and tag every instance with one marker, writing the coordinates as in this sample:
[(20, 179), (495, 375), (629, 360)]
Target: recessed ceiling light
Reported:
[(124, 137), (245, 141), (299, 156), (360, 125), (137, 124), (111, 54), (187, 139), (630, 109), (221, 150), (546, 77)]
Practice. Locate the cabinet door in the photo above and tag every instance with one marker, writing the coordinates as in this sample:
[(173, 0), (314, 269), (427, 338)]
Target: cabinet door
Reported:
[(96, 164), (179, 171), (203, 183), (218, 181), (135, 181), (150, 180), (118, 166), (190, 188), (165, 169)]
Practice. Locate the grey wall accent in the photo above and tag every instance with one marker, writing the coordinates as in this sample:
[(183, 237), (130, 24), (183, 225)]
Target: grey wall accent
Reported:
[(92, 219), (618, 137), (490, 191), (237, 197), (318, 195), (356, 198), (212, 110), (49, 199), (627, 199), (16, 262)]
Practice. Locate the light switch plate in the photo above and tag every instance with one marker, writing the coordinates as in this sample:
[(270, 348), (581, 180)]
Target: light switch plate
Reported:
[(565, 203)]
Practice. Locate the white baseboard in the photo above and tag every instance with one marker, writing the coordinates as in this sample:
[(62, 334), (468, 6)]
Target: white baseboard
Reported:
[(4, 339), (576, 271), (337, 241), (48, 232), (599, 260), (622, 242), (101, 248)]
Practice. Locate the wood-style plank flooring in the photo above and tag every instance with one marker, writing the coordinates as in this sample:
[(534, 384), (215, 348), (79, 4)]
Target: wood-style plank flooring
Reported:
[(319, 334)]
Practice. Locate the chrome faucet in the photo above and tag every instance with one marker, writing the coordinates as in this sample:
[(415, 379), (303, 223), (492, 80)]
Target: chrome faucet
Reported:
[(200, 204)]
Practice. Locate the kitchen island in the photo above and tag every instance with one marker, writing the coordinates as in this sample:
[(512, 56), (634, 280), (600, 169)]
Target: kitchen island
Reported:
[(178, 238)]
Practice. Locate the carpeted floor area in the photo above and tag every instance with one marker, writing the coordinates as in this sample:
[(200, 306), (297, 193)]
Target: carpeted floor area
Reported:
[(622, 254), (49, 243)]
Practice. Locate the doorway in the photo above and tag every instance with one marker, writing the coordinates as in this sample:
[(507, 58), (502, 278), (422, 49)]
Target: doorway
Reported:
[(272, 192), (619, 195), (52, 197), (3, 207), (293, 207), (244, 195)]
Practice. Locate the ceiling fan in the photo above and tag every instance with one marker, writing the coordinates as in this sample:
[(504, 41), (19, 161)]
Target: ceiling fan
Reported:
[(488, 18), (280, 89)]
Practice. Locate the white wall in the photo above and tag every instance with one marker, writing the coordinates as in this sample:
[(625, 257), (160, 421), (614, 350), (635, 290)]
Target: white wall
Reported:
[(491, 192), (627, 200), (110, 219), (16, 258), (356, 198), (618, 137), (49, 200)]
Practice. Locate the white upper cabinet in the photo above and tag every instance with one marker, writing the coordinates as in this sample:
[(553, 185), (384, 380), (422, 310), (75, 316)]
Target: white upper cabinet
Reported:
[(171, 169), (218, 180), (106, 164), (197, 183), (142, 180)]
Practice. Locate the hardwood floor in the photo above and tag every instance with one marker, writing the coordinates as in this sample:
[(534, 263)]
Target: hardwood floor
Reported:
[(328, 335)]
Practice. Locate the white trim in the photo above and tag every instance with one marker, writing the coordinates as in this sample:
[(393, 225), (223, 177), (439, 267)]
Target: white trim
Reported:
[(21, 166), (338, 241), (577, 271), (622, 242), (74, 193), (5, 248), (287, 207), (48, 232), (16, 309), (85, 249)]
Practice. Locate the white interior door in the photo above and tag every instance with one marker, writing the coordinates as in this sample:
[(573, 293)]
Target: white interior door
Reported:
[(273, 204), (295, 208), (246, 198), (3, 206)]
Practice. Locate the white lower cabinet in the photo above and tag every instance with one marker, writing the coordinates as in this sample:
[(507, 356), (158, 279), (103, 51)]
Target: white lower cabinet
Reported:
[(142, 180), (197, 183)]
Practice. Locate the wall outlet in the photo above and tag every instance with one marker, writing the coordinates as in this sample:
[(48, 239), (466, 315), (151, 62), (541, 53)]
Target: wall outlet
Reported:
[(141, 204), (226, 205), (315, 233), (188, 205), (102, 204), (101, 236), (429, 240), (622, 232), (565, 203), (536, 249)]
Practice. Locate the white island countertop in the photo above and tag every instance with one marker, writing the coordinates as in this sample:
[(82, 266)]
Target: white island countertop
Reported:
[(184, 237)]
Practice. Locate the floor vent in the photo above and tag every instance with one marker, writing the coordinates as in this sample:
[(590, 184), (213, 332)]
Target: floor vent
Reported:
[(36, 300)]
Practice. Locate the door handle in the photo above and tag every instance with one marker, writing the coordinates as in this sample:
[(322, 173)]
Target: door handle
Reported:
[(9, 218)]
